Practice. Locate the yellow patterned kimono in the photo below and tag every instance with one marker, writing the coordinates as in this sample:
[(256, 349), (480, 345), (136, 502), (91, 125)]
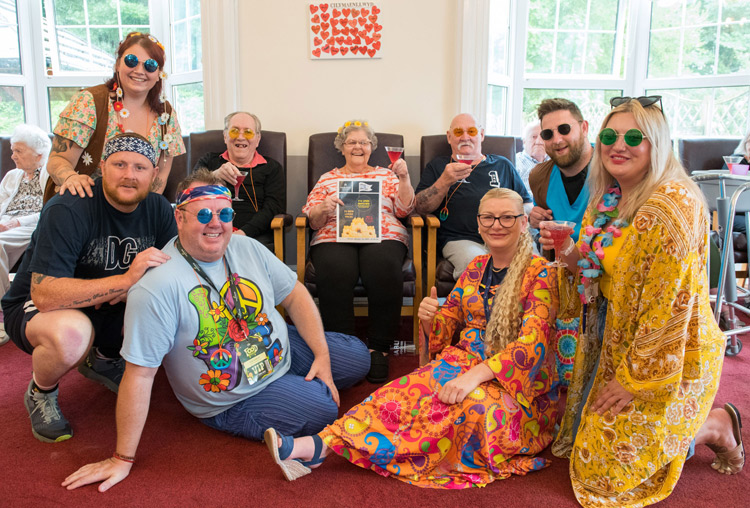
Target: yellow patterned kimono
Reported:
[(662, 345)]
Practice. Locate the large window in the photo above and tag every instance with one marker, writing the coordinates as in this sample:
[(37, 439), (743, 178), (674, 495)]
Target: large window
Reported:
[(696, 53), (50, 49)]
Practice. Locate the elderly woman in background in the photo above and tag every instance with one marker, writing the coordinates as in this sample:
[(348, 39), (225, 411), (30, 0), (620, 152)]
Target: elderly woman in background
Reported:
[(133, 100), (649, 355), (21, 199), (533, 152), (339, 265), (742, 150), (484, 407)]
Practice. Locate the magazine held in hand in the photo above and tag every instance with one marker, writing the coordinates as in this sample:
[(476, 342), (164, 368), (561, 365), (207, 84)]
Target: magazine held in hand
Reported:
[(358, 221)]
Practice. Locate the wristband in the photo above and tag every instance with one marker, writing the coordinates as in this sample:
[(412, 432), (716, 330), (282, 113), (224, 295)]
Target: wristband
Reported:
[(129, 460)]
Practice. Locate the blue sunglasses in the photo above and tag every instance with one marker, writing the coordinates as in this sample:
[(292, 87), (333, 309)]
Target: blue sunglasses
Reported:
[(132, 61), (204, 215)]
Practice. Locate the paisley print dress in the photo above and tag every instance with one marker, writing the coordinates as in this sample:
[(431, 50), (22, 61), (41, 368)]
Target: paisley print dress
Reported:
[(403, 430), (661, 343)]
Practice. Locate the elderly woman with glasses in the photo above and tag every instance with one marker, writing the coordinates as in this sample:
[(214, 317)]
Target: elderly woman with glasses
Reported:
[(339, 264), (483, 408), (649, 355)]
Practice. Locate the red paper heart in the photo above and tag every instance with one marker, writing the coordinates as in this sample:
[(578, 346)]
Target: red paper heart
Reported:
[(362, 21), (313, 9), (344, 29), (357, 40), (316, 52), (346, 12), (373, 18), (349, 41), (325, 16), (344, 50), (375, 9), (352, 23), (323, 7), (315, 19), (376, 36), (315, 28), (368, 40), (378, 27), (317, 41), (336, 31), (336, 13), (355, 49), (324, 26), (363, 49), (355, 13), (363, 32), (334, 21), (332, 41), (324, 35), (368, 27), (365, 12), (340, 41), (326, 49), (376, 44), (371, 52), (334, 50)]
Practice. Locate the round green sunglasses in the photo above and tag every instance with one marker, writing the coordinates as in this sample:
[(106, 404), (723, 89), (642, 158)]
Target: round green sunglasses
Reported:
[(633, 137)]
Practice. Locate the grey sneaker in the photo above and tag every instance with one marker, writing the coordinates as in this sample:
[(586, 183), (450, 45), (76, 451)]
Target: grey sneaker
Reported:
[(47, 422), (107, 371)]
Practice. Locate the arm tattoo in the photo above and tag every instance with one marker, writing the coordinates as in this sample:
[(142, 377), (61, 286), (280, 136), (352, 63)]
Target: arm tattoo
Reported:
[(157, 186), (424, 197), (61, 144), (37, 278)]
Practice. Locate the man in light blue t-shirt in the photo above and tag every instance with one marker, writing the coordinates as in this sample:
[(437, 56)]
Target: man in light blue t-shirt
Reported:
[(208, 315)]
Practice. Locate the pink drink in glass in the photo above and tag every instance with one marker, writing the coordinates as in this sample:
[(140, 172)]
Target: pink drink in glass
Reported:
[(559, 230), (394, 152), (240, 179)]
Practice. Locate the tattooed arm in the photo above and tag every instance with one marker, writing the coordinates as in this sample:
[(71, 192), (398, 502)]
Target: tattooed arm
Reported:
[(61, 166), (57, 293), (162, 174)]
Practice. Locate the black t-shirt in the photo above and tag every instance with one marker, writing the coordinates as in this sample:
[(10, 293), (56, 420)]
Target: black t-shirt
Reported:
[(264, 185), (87, 238), (463, 200), (574, 184)]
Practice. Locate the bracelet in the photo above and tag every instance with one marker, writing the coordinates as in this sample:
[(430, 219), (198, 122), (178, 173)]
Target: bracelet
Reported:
[(66, 178), (124, 458)]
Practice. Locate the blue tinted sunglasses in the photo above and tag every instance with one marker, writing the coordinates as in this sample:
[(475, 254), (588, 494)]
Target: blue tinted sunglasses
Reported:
[(131, 61), (204, 215)]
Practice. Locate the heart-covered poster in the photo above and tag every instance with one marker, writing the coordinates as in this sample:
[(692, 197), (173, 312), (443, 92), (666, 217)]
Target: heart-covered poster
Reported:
[(344, 30)]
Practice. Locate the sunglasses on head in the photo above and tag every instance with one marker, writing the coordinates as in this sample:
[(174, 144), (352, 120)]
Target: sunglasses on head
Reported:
[(644, 100), (471, 131), (633, 137), (234, 133), (150, 65), (204, 215), (563, 129)]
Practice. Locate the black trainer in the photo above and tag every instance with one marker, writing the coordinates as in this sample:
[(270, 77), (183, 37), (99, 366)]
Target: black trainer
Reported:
[(107, 371)]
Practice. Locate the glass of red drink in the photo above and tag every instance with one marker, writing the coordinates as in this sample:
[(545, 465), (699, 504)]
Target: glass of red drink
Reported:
[(559, 230), (466, 159), (240, 179), (394, 152)]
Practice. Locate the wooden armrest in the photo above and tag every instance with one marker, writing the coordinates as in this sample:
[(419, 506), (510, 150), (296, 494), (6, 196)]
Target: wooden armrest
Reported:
[(301, 223)]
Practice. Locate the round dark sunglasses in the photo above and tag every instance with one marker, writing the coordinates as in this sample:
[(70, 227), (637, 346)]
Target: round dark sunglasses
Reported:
[(150, 65), (204, 215), (633, 137), (563, 129)]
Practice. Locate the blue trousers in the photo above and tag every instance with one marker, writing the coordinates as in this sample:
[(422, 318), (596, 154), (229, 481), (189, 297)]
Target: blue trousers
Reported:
[(290, 404)]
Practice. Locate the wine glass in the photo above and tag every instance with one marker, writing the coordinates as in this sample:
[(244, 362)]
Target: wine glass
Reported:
[(733, 163), (240, 179), (466, 159), (559, 230), (394, 152)]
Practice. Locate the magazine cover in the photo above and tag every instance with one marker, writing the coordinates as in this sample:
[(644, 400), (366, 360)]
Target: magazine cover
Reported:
[(359, 219)]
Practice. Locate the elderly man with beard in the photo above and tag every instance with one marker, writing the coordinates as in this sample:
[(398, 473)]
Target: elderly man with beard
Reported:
[(263, 190), (559, 184), (451, 188), (69, 292)]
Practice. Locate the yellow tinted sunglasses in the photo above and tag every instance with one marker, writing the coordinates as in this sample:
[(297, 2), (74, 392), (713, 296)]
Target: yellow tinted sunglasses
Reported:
[(471, 131), (234, 133)]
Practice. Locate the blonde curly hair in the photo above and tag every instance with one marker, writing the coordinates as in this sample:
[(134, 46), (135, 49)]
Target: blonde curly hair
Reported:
[(504, 322)]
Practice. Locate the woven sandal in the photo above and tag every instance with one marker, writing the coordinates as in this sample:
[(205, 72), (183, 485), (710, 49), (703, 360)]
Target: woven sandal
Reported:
[(292, 469), (732, 461)]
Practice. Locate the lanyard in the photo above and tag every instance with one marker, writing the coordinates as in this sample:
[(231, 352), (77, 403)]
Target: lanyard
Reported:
[(232, 286)]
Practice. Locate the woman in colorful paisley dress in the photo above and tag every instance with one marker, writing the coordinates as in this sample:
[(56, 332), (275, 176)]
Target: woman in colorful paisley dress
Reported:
[(649, 355), (483, 408)]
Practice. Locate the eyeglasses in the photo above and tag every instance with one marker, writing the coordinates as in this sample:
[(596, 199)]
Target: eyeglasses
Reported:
[(644, 100), (633, 137), (204, 215), (234, 133), (563, 129), (471, 131), (507, 221), (352, 142), (149, 65)]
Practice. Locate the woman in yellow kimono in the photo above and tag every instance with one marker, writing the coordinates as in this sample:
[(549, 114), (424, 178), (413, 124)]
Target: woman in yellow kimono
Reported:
[(649, 354), (483, 408)]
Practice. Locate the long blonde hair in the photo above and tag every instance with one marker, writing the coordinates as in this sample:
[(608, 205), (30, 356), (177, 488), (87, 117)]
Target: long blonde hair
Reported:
[(664, 165), (505, 320)]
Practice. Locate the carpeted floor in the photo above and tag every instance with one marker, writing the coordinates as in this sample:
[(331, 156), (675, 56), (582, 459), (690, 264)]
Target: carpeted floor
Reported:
[(184, 463)]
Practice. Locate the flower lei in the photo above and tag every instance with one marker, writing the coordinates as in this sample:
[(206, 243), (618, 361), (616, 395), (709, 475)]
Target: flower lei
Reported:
[(593, 253)]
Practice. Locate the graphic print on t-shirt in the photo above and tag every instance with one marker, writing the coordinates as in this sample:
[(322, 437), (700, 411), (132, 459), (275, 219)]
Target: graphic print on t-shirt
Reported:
[(113, 253), (220, 335)]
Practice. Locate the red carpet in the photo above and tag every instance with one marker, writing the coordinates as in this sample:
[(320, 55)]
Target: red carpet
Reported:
[(184, 463)]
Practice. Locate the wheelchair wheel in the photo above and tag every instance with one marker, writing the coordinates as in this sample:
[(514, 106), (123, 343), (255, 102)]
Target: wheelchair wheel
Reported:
[(733, 351)]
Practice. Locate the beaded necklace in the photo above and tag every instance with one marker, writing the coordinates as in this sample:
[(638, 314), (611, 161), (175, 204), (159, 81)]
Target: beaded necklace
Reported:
[(593, 253)]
